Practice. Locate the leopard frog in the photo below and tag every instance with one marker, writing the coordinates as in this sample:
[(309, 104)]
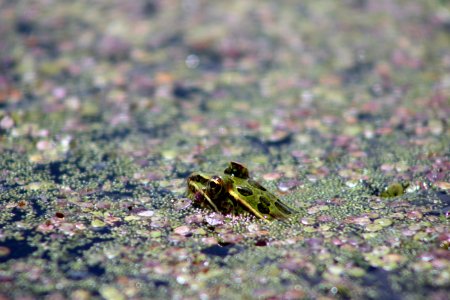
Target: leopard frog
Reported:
[(236, 193)]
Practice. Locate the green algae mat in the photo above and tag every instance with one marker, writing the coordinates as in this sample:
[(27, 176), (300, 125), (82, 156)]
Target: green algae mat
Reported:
[(339, 109)]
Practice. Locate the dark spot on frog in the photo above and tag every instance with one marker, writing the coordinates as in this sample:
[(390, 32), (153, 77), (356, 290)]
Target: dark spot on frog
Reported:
[(283, 208), (262, 208), (264, 200), (256, 185), (244, 191)]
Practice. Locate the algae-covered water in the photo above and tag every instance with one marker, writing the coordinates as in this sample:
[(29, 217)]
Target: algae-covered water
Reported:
[(341, 109)]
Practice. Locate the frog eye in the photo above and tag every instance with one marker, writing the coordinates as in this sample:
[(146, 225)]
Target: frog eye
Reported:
[(215, 186)]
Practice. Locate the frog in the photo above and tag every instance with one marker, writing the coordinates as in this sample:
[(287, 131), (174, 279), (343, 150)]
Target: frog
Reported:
[(235, 192)]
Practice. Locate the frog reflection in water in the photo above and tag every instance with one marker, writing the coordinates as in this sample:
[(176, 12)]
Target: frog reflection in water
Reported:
[(235, 192)]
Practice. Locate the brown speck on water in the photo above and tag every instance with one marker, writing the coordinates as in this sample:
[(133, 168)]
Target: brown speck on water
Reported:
[(4, 251)]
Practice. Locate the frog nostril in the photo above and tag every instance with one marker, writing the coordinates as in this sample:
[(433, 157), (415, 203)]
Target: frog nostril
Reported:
[(256, 185), (283, 208)]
